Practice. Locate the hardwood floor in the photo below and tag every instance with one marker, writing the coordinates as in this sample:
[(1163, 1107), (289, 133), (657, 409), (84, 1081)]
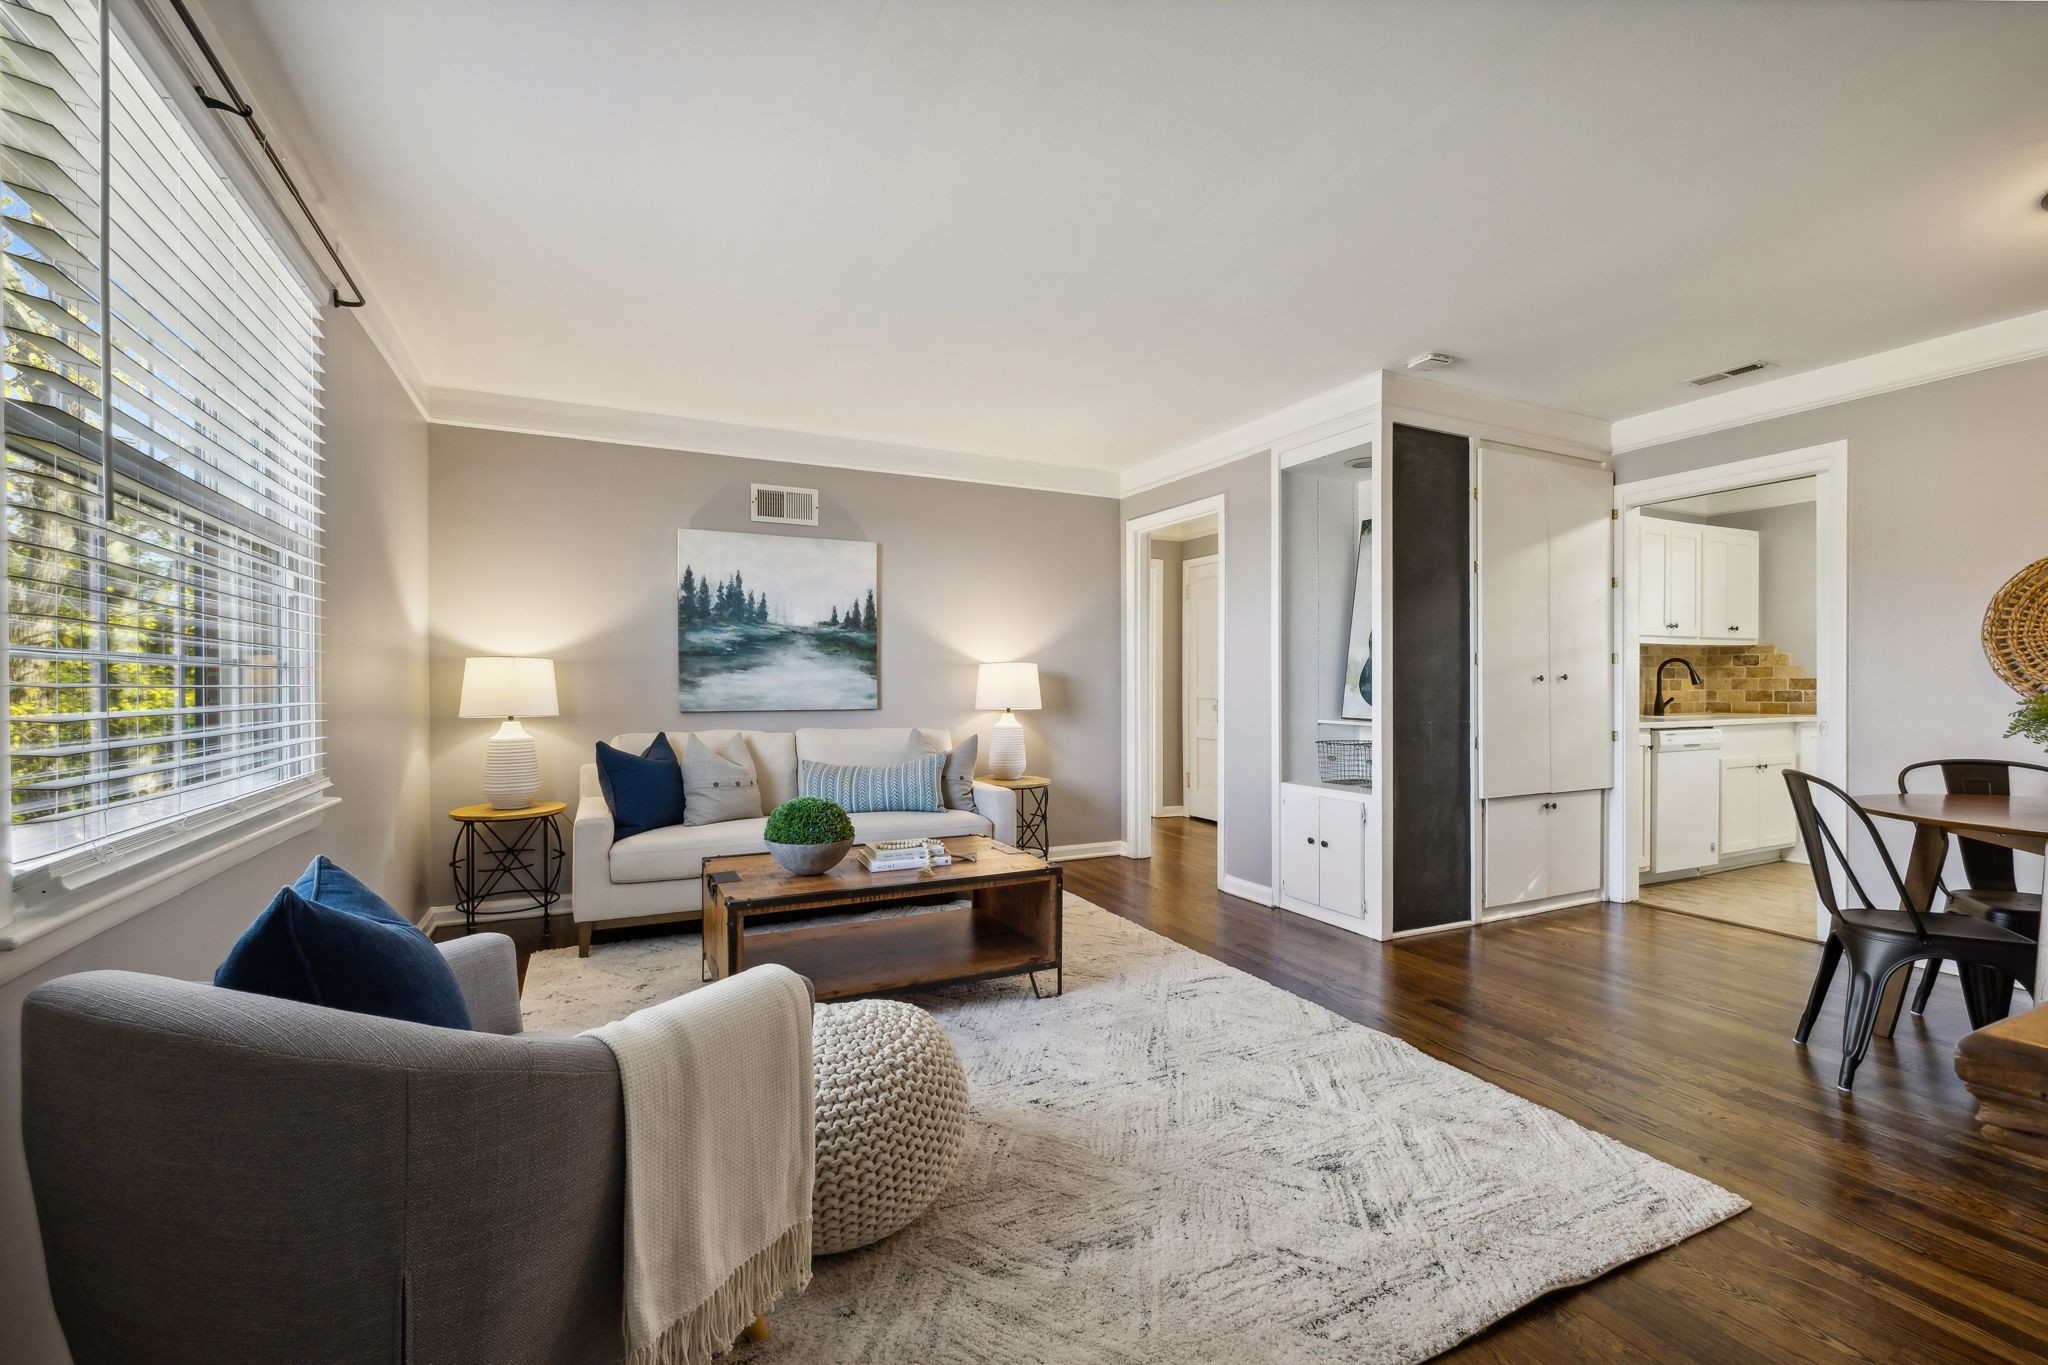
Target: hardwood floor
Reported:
[(1883, 1228), (1773, 896)]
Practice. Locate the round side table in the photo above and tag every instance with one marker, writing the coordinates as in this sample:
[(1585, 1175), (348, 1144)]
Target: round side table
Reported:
[(507, 850)]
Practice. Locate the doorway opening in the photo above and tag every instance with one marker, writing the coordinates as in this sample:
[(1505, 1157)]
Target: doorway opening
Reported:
[(1730, 673), (1175, 695)]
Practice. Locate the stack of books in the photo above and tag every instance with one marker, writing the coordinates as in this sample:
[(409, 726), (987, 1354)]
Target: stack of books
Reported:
[(903, 855)]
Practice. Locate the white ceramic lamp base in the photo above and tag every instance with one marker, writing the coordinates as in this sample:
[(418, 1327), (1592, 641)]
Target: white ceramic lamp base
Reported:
[(1006, 748), (511, 768)]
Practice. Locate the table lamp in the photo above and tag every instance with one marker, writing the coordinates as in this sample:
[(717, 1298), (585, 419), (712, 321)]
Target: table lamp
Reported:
[(1007, 688), (510, 688)]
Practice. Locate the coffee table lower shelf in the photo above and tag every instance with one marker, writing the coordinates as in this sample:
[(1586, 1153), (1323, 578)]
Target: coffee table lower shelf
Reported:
[(937, 948)]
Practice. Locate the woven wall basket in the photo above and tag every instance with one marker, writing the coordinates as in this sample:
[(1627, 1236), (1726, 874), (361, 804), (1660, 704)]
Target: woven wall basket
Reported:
[(2016, 630)]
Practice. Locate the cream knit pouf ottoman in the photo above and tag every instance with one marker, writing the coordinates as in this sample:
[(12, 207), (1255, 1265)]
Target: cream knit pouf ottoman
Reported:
[(892, 1119)]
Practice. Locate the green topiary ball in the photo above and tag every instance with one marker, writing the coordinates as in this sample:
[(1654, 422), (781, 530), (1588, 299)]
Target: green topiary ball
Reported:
[(808, 820)]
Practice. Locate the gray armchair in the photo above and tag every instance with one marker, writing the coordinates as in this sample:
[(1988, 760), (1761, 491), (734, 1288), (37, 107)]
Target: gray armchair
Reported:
[(235, 1180)]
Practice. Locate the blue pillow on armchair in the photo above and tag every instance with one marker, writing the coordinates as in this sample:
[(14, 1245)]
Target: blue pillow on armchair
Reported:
[(644, 790), (329, 940)]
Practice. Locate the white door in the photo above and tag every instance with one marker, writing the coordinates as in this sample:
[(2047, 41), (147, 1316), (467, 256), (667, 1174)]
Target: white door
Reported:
[(1580, 592), (1728, 585), (1301, 858), (1202, 685), (1514, 624), (1682, 579), (1639, 804), (1776, 826), (1574, 844), (1341, 841), (1739, 805), (1517, 863), (1654, 620)]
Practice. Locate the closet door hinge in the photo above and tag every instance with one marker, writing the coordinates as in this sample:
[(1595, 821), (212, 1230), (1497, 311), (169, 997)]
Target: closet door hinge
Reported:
[(1614, 514)]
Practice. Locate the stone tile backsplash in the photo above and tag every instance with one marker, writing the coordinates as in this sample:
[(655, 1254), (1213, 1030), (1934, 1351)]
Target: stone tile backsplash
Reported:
[(1743, 680)]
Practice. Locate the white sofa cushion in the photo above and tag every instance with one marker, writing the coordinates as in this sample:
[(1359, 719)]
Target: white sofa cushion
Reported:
[(870, 748), (774, 753), (679, 851)]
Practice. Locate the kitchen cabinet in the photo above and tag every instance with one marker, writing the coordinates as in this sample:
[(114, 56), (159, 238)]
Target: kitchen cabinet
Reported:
[(1541, 848), (1324, 847), (1544, 593), (1697, 584), (1729, 585), (1668, 596), (1756, 808)]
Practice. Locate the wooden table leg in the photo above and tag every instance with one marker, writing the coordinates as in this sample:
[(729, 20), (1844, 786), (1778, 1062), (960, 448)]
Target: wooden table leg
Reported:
[(1930, 851)]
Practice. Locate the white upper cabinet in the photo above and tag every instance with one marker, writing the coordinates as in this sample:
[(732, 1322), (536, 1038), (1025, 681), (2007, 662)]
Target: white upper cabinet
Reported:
[(1696, 584), (1728, 585), (1668, 605), (1544, 583)]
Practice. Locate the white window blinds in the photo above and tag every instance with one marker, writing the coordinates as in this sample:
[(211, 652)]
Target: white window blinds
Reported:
[(161, 428)]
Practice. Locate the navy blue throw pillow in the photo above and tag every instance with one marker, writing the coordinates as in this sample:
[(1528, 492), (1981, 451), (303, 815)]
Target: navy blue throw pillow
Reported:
[(329, 940), (644, 791)]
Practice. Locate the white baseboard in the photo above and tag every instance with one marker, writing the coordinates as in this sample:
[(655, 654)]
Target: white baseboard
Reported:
[(1245, 890), (1169, 812), (1074, 853), (495, 910)]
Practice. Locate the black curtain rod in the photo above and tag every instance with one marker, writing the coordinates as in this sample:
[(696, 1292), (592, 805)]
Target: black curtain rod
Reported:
[(234, 104)]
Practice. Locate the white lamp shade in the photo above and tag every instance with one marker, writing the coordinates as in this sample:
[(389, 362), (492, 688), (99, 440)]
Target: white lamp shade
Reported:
[(1007, 687), (508, 687)]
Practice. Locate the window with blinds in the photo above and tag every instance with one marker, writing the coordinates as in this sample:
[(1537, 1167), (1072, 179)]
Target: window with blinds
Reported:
[(161, 430)]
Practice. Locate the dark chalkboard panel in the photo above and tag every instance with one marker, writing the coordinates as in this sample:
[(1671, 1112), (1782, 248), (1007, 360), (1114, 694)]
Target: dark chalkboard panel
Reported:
[(1428, 802)]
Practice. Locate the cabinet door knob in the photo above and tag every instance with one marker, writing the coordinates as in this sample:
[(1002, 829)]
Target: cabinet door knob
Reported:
[(1326, 843), (1671, 625), (1564, 677), (1539, 677), (1311, 841)]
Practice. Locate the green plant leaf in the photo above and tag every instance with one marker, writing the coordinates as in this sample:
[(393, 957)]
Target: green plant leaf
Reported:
[(808, 820)]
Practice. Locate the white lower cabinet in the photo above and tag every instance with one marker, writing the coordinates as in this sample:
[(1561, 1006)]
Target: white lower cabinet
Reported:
[(1324, 849), (1543, 847), (1756, 809)]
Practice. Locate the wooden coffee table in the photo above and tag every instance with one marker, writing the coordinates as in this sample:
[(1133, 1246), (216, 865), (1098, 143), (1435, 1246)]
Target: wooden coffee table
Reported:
[(755, 912)]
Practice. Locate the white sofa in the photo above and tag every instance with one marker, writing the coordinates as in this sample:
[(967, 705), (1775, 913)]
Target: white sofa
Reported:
[(659, 875)]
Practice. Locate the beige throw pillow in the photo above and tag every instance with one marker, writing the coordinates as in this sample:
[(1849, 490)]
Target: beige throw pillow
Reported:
[(956, 780), (719, 784)]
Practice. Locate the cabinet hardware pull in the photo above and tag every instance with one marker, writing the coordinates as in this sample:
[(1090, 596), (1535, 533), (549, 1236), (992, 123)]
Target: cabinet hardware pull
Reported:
[(1326, 843), (1671, 625), (1564, 677), (1311, 841), (1539, 677)]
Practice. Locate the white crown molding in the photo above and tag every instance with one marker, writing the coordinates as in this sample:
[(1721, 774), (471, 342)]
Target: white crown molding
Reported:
[(1249, 438), (1487, 416), (1923, 362), (668, 431)]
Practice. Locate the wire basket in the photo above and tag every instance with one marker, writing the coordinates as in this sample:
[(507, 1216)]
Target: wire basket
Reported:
[(1344, 762)]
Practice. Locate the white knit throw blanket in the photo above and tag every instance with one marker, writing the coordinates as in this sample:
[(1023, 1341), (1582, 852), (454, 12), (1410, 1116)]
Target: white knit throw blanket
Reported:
[(719, 1143)]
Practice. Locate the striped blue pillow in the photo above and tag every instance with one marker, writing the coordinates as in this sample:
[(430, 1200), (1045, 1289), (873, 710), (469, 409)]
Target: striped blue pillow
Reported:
[(903, 786)]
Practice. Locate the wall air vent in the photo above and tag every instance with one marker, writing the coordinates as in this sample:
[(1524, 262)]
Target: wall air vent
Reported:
[(785, 506), (1701, 381)]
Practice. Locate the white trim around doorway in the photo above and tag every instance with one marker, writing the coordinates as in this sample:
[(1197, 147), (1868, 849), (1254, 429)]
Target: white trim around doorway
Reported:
[(1828, 464), (1140, 731)]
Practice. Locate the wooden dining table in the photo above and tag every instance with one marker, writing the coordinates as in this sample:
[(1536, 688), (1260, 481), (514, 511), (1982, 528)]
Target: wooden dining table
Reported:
[(2015, 822)]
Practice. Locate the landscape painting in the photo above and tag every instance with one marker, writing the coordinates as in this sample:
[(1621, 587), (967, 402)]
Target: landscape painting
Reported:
[(775, 623)]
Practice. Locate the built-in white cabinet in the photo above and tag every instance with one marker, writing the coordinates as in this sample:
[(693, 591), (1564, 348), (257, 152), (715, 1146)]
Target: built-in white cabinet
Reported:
[(1325, 849), (1544, 591), (1729, 585), (1697, 584), (1668, 575), (1542, 848), (1756, 808)]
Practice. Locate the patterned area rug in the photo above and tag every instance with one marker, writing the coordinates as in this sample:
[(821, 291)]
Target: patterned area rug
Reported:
[(1176, 1161)]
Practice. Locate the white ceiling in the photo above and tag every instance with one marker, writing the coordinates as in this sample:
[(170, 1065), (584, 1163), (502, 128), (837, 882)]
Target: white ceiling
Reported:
[(1193, 529), (1088, 234)]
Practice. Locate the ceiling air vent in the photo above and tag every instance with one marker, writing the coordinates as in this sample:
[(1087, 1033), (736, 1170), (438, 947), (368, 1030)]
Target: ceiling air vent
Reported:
[(785, 506), (1701, 381)]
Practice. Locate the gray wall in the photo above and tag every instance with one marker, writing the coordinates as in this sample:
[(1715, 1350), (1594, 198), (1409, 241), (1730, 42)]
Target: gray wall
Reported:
[(1247, 489), (1948, 497), (375, 691), (1787, 567), (567, 549)]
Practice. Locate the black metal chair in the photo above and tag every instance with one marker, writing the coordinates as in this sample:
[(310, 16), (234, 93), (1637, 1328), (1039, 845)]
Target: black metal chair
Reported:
[(1879, 942), (1993, 893)]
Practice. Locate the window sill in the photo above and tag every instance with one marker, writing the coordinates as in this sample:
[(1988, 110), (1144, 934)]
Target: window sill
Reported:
[(56, 926)]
